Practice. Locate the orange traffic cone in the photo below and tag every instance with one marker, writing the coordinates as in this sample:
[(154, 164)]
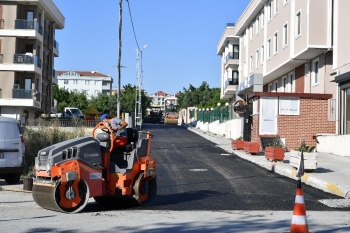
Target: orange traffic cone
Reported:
[(299, 222)]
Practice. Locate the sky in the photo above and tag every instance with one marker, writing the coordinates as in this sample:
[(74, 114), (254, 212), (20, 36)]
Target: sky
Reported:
[(181, 38)]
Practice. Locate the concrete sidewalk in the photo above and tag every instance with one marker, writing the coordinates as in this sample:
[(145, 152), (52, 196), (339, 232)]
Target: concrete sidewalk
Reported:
[(331, 175)]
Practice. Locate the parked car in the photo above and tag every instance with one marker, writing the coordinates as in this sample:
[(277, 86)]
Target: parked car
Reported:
[(12, 149)]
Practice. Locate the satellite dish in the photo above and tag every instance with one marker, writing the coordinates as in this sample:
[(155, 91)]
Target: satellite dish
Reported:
[(240, 107)]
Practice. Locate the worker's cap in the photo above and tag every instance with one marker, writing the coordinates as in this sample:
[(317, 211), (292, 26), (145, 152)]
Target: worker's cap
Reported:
[(103, 116)]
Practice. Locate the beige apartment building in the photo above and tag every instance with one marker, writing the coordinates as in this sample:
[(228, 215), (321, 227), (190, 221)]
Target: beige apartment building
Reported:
[(292, 69), (27, 51)]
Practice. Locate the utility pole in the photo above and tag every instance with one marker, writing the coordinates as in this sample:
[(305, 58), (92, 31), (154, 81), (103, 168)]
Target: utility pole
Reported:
[(119, 56)]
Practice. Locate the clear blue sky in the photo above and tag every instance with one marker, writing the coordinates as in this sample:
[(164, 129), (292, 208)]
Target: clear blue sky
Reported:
[(181, 38)]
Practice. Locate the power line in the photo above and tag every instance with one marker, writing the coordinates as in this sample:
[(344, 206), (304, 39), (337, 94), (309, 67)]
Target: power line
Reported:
[(132, 24)]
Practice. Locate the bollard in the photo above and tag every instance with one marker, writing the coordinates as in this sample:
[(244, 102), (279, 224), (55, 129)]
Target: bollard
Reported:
[(28, 183)]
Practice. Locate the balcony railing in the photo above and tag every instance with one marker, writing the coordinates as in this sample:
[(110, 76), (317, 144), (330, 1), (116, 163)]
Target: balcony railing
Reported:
[(26, 94), (54, 73), (26, 59), (230, 82), (232, 55), (28, 24), (56, 45)]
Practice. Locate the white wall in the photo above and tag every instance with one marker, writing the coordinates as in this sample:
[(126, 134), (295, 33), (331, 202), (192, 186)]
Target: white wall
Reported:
[(335, 144)]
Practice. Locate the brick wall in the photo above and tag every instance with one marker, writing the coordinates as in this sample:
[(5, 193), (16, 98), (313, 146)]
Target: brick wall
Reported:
[(312, 120)]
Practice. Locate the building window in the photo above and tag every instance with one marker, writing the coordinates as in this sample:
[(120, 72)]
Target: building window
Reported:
[(276, 6), (87, 82), (314, 67), (251, 31), (270, 87), (257, 25), (290, 82), (96, 92), (284, 83), (306, 69), (245, 68), (269, 11), (268, 51), (245, 38), (87, 92), (275, 84), (262, 54), (75, 81), (285, 35), (251, 63), (65, 81), (298, 24), (235, 77), (275, 41), (96, 82), (262, 19), (257, 58), (235, 52)]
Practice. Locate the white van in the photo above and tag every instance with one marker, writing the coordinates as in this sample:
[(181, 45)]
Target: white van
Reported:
[(12, 162)]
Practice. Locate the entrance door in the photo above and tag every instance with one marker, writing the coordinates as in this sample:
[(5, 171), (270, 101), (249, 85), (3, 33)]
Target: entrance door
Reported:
[(268, 115)]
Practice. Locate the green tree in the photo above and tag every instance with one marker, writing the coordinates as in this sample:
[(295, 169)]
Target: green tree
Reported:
[(201, 97), (101, 103)]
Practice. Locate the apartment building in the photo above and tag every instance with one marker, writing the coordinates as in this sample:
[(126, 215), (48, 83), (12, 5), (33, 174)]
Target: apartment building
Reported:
[(159, 99), (91, 83), (293, 68), (27, 51)]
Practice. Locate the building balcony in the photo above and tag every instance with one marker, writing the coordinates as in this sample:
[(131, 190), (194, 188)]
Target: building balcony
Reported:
[(22, 28), (54, 77), (232, 55), (106, 87), (56, 51), (22, 62), (229, 89), (22, 97)]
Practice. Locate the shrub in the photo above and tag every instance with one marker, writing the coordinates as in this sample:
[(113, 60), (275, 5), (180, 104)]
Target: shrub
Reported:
[(44, 134)]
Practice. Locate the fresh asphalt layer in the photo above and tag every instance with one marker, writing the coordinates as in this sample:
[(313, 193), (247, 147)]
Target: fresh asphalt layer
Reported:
[(331, 175)]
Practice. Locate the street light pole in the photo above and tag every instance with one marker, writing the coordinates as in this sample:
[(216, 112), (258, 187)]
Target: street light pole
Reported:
[(119, 57), (138, 102)]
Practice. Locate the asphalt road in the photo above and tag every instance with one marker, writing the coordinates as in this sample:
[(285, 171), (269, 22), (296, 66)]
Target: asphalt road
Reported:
[(201, 188), (194, 174)]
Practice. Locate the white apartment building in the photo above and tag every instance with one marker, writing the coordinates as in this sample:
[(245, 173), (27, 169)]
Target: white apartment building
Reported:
[(290, 49), (89, 82), (158, 99), (27, 51)]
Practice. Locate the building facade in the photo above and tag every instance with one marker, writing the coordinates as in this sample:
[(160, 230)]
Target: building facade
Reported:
[(160, 98), (92, 83), (27, 51), (292, 69)]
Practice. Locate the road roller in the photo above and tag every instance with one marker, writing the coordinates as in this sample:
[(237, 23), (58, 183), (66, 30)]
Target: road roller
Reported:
[(171, 115), (103, 166)]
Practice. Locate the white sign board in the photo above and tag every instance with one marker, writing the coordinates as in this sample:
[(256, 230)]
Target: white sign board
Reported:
[(268, 115), (289, 106)]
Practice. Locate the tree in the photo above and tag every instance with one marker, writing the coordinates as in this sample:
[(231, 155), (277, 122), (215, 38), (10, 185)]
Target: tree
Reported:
[(101, 103), (201, 97)]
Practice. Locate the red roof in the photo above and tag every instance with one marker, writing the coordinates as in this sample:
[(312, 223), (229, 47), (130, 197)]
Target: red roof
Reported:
[(85, 73), (160, 93)]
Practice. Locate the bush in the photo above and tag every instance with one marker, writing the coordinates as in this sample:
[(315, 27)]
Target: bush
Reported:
[(45, 134)]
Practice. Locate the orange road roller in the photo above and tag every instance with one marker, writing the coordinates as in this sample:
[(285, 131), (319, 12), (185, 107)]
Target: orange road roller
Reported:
[(103, 166)]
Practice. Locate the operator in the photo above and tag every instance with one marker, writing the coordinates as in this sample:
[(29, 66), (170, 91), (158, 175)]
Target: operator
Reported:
[(116, 124)]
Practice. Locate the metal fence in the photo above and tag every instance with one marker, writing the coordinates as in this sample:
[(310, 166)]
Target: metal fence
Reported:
[(220, 114), (74, 122)]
